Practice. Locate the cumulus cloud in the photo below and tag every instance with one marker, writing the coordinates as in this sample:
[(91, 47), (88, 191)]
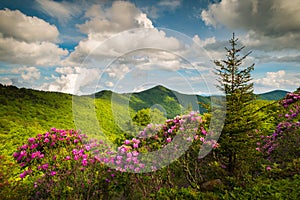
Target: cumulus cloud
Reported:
[(14, 24), (279, 80), (103, 28), (29, 73), (63, 10), (28, 40), (35, 53), (121, 16), (73, 80), (272, 24)]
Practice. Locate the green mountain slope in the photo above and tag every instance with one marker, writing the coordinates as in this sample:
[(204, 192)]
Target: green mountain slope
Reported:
[(273, 95), (25, 112), (170, 102)]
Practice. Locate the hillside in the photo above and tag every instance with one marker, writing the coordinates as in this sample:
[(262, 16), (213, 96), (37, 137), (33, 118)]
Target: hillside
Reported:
[(170, 102), (273, 95), (26, 112)]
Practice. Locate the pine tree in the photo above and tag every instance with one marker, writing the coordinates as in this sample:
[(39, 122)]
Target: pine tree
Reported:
[(235, 81)]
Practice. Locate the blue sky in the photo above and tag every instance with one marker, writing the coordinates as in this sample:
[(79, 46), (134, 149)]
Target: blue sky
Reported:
[(79, 47)]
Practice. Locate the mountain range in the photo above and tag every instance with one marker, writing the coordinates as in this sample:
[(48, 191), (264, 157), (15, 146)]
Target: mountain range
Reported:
[(26, 112)]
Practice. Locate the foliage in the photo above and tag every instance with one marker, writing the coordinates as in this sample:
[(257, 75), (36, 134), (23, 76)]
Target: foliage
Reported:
[(64, 164), (281, 148), (235, 82), (61, 163)]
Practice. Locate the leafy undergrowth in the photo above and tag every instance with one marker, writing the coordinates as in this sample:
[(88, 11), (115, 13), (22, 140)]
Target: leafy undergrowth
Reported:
[(66, 164)]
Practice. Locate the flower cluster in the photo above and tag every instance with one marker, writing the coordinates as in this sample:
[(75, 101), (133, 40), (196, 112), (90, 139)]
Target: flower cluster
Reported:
[(60, 153), (289, 124), (190, 126), (31, 156)]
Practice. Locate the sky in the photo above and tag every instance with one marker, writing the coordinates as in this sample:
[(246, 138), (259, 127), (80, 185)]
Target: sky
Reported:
[(81, 47)]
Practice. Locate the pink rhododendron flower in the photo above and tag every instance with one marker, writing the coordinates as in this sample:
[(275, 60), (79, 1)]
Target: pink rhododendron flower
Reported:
[(169, 139), (84, 162), (53, 173), (87, 147), (127, 142), (45, 166), (31, 140), (22, 175), (203, 131)]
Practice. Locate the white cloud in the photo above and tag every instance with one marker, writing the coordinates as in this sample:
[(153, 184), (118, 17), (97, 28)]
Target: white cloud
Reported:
[(117, 72), (6, 81), (73, 80), (158, 9), (28, 40), (36, 53), (65, 70), (63, 11), (103, 30), (121, 16), (109, 84), (279, 80), (272, 24), (203, 43), (29, 73), (14, 24), (170, 4)]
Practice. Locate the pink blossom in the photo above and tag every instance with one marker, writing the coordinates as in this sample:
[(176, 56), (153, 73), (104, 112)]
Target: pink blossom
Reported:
[(135, 141), (129, 155), (74, 151), (142, 165), (135, 153), (31, 140), (169, 139), (53, 173), (22, 164), (87, 147), (22, 175), (76, 157), (16, 154), (118, 162), (135, 145), (203, 131), (45, 166), (127, 142), (84, 162)]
